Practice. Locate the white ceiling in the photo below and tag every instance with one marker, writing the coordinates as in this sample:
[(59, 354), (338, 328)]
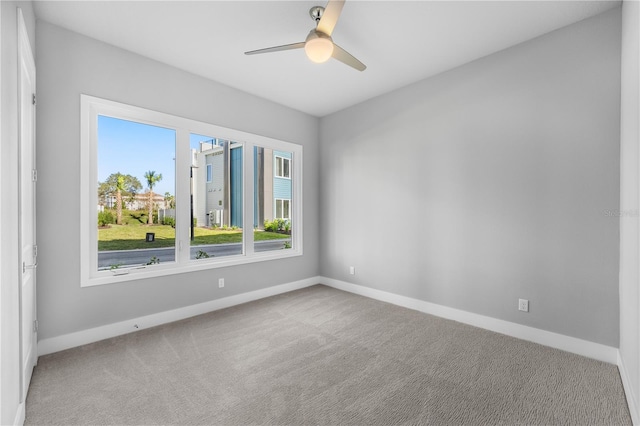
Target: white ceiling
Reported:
[(400, 41)]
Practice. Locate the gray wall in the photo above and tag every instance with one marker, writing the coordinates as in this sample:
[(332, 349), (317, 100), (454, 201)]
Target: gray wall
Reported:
[(70, 64), (629, 203), (488, 183)]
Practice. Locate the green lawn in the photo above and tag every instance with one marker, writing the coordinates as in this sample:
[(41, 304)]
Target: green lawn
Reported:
[(130, 237)]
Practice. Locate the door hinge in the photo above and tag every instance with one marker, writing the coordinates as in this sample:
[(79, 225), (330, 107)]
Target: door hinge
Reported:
[(34, 175), (33, 99), (35, 250), (35, 326)]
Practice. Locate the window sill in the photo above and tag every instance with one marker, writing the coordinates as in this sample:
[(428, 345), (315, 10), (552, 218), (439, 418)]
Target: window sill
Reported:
[(153, 271)]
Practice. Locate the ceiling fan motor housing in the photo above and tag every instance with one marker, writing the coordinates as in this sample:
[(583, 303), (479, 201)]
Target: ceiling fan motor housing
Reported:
[(316, 13)]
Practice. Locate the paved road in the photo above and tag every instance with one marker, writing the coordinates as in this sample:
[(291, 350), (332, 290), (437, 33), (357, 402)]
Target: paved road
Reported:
[(142, 256)]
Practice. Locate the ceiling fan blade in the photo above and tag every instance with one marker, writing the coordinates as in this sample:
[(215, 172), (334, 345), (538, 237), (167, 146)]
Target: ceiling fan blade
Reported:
[(346, 58), (330, 16), (276, 48)]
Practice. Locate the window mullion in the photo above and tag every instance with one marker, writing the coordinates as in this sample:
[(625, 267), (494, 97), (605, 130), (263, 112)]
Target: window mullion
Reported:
[(247, 196), (183, 195), (296, 198)]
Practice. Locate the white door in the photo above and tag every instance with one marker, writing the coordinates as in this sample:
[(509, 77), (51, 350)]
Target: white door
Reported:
[(26, 100)]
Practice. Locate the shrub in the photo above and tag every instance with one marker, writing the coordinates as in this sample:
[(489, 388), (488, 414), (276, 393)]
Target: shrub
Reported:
[(271, 226), (106, 218), (170, 221), (202, 254), (277, 225)]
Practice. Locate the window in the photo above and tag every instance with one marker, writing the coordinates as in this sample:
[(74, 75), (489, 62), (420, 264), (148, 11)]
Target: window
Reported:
[(272, 196), (283, 209), (209, 173), (216, 204), (163, 194), (136, 167), (282, 167)]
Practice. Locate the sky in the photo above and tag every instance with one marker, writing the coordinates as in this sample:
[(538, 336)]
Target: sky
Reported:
[(133, 149)]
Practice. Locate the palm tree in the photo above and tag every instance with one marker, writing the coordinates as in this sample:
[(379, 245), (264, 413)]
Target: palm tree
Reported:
[(120, 188), (152, 178), (121, 185)]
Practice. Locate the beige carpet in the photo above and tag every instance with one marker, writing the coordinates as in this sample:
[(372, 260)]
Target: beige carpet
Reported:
[(322, 356)]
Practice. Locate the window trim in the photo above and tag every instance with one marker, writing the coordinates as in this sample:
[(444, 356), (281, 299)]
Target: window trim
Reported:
[(91, 107)]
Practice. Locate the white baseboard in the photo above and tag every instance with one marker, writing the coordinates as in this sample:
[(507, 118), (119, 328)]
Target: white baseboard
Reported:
[(20, 413), (547, 338), (67, 341), (559, 341), (628, 391)]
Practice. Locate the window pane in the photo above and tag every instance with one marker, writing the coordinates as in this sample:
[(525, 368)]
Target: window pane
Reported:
[(209, 173), (282, 164), (272, 192), (278, 208), (136, 187), (286, 209), (216, 194)]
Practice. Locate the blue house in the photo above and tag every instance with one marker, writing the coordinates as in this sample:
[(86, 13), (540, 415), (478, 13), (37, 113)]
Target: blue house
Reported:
[(282, 185), (272, 184)]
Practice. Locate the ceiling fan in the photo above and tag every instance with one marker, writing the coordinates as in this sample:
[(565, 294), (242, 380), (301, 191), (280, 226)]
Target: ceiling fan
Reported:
[(319, 45)]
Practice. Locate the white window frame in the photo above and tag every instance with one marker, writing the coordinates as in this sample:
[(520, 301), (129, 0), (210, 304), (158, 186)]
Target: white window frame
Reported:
[(91, 108), (278, 157)]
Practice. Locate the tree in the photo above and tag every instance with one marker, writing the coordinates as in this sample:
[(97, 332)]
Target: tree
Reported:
[(170, 199), (152, 178), (118, 185)]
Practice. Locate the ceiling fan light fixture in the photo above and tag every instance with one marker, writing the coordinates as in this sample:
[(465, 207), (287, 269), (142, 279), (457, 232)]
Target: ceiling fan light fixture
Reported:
[(318, 45), (318, 49)]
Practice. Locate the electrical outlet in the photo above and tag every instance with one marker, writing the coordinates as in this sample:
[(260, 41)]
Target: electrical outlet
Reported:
[(352, 270), (220, 282), (523, 305)]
